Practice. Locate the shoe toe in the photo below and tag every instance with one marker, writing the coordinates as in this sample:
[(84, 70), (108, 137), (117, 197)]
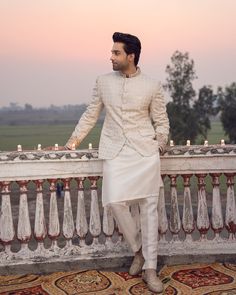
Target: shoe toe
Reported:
[(155, 287), (154, 284)]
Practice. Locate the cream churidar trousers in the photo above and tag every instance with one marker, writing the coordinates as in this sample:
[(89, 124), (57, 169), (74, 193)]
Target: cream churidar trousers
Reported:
[(149, 228)]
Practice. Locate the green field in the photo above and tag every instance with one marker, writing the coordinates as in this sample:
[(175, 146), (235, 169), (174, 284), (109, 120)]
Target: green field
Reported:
[(29, 136), (46, 135), (215, 134)]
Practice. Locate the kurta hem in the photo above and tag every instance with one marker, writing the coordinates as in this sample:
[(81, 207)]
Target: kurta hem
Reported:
[(133, 199), (130, 176)]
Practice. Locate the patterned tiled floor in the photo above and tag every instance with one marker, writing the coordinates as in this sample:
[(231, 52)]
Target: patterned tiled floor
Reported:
[(197, 279)]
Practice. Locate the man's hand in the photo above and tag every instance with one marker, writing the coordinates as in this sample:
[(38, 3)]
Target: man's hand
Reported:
[(161, 151)]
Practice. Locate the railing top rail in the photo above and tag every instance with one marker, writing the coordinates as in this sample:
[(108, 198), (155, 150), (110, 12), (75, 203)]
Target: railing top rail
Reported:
[(34, 155), (88, 154), (199, 150), (31, 165)]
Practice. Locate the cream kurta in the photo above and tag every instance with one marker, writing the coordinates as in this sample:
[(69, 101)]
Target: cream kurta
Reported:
[(130, 176)]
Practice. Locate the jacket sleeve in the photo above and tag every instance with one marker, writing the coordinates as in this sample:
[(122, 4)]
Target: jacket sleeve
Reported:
[(87, 120), (159, 117)]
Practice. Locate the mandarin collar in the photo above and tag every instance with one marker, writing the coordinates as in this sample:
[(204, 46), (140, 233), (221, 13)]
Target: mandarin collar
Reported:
[(138, 71)]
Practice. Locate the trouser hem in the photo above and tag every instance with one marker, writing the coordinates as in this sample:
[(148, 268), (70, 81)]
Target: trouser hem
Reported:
[(150, 264)]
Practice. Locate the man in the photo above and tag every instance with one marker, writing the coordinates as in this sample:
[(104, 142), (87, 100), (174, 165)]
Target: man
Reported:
[(135, 129)]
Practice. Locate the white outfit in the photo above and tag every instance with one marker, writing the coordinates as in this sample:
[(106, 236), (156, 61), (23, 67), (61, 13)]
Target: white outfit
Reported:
[(136, 126)]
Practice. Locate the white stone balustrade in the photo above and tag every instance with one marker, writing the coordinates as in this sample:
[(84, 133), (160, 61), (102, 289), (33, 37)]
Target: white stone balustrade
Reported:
[(192, 220)]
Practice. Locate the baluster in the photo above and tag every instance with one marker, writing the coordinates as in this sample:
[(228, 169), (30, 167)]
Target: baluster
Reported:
[(7, 232), (135, 213), (175, 223), (95, 220), (54, 225), (188, 219), (108, 227), (162, 216), (23, 227), (217, 216), (68, 227), (40, 229), (81, 221), (230, 218), (203, 222)]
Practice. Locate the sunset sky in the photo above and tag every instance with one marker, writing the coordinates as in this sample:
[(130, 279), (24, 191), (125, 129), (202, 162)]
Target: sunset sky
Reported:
[(52, 50)]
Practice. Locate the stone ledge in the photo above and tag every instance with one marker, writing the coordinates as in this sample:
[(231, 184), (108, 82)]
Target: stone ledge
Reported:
[(110, 264), (180, 150), (196, 150)]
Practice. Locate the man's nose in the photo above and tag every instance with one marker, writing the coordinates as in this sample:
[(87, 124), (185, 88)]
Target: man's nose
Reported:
[(112, 57)]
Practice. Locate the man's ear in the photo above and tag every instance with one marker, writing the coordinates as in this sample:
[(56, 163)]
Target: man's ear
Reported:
[(131, 57)]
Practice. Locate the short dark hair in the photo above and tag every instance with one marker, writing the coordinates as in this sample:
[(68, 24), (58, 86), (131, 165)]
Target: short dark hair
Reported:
[(131, 43)]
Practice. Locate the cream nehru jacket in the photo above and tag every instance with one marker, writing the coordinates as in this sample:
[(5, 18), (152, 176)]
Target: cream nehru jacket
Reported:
[(135, 111)]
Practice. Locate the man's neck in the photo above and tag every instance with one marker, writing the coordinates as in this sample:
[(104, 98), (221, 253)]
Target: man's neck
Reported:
[(130, 71)]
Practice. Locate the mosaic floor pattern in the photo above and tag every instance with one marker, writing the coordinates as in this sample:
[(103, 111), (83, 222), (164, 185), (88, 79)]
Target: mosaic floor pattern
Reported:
[(197, 279)]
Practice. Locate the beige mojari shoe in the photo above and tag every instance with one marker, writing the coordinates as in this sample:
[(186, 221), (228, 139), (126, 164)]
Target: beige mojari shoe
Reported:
[(154, 284), (137, 264)]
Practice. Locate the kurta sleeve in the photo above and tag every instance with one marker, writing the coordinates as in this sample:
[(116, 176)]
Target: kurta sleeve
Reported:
[(159, 117), (88, 119)]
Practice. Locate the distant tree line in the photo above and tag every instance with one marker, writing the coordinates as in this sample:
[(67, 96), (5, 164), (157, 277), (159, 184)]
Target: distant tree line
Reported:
[(17, 115)]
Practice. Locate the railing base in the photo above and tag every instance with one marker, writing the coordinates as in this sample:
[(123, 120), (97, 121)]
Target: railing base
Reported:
[(191, 259), (111, 263), (82, 262)]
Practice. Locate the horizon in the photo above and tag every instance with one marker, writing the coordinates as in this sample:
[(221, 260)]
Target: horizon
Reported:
[(52, 51)]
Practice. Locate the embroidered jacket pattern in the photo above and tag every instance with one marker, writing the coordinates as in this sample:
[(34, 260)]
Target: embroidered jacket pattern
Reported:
[(135, 111)]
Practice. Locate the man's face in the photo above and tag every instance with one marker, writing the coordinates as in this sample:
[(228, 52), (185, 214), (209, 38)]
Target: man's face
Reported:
[(120, 60)]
